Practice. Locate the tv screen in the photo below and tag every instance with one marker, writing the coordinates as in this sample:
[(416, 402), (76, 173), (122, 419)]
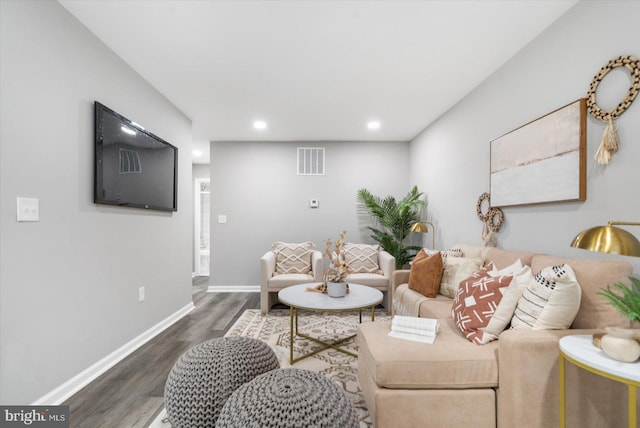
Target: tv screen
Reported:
[(133, 167)]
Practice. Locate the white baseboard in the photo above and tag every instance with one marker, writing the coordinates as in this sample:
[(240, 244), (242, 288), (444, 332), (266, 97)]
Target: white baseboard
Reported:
[(79, 381), (233, 289)]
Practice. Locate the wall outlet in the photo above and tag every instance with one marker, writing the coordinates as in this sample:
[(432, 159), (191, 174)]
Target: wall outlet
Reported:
[(141, 294), (28, 209)]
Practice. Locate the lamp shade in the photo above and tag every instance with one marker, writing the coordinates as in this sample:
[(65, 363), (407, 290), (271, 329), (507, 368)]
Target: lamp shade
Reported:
[(419, 227), (608, 239)]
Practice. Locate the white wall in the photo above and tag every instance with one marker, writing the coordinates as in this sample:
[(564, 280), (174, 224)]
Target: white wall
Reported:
[(450, 159), (255, 184), (69, 283)]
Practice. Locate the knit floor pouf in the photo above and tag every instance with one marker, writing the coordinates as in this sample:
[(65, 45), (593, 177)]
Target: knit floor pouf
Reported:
[(289, 398), (204, 377)]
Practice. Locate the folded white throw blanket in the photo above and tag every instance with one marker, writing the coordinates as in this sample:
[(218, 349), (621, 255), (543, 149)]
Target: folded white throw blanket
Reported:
[(423, 324), (413, 337), (414, 328)]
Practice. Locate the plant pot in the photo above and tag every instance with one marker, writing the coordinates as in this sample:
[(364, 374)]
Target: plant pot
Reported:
[(620, 344), (337, 289)]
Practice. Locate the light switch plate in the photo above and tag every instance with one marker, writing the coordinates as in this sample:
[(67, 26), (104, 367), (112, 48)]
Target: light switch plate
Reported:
[(222, 219), (28, 209)]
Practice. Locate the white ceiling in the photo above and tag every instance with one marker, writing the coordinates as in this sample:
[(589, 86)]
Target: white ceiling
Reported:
[(314, 70)]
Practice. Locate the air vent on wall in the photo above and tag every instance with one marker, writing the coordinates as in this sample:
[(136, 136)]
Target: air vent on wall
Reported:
[(310, 160)]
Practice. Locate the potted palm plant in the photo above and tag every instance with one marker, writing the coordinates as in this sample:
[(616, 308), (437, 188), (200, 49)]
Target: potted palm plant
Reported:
[(619, 343), (395, 219), (627, 303)]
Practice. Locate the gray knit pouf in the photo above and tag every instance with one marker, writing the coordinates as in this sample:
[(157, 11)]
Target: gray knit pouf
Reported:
[(289, 398), (204, 377)]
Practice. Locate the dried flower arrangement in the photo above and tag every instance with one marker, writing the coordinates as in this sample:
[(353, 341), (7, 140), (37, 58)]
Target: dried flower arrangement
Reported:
[(337, 270)]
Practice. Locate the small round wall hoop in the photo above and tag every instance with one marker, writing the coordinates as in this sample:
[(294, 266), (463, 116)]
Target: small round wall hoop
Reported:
[(484, 217), (496, 218)]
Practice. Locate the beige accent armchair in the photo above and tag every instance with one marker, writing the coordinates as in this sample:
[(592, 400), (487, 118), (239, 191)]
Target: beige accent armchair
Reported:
[(271, 283), (382, 282)]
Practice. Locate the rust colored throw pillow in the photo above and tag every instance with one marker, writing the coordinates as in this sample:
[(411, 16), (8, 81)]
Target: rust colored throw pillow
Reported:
[(426, 273), (476, 301)]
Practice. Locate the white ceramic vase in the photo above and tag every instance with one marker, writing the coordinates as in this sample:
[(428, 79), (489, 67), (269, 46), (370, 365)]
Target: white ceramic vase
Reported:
[(337, 289), (620, 344)]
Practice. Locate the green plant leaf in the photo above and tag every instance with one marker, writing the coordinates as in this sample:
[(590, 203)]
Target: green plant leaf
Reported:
[(625, 299)]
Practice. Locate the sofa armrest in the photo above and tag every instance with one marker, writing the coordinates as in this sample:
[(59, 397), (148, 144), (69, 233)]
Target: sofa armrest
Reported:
[(267, 267), (387, 264), (528, 367), (317, 266), (399, 277)]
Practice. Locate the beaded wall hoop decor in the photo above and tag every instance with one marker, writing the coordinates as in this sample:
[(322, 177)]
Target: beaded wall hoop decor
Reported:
[(609, 144), (491, 220)]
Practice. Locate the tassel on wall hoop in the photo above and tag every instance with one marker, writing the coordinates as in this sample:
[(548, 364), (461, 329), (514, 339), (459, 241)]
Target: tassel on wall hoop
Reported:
[(609, 143)]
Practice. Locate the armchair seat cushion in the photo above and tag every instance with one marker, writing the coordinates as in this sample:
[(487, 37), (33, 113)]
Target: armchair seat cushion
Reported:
[(451, 363), (370, 279), (285, 280)]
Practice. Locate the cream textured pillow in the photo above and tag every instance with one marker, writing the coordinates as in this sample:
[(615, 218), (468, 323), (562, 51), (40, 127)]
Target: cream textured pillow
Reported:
[(454, 252), (361, 258), (476, 301), (293, 258), (522, 276), (550, 301), (455, 270)]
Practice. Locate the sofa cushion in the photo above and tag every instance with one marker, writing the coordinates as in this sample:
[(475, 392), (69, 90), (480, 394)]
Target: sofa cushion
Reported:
[(361, 258), (278, 282), (455, 269), (293, 258), (476, 300), (425, 274), (550, 301), (411, 303), (502, 258), (452, 362), (593, 275), (370, 279)]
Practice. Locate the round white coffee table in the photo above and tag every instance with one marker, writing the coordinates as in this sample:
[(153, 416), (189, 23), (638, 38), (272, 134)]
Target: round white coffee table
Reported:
[(297, 297)]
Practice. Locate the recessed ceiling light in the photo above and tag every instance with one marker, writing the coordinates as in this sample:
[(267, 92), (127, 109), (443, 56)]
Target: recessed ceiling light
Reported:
[(260, 124), (197, 153), (374, 124)]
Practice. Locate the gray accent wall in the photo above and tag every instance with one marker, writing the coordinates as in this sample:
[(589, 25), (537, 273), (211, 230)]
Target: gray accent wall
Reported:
[(69, 283), (255, 184), (450, 159)]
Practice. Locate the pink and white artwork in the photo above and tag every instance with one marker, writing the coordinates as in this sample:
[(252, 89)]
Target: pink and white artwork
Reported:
[(543, 161)]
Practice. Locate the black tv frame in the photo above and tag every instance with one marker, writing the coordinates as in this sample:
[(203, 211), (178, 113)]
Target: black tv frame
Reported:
[(99, 109)]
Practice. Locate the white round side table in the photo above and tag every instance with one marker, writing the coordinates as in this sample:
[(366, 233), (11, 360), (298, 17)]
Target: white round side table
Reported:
[(579, 350)]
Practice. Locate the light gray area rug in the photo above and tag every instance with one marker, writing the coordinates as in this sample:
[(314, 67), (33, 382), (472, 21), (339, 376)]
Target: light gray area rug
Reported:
[(327, 326)]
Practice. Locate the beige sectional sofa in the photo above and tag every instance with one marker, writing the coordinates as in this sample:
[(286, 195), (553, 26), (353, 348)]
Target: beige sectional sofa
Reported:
[(508, 383)]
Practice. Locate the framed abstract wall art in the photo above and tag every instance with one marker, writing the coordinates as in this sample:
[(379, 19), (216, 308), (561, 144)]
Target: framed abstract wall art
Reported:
[(543, 161)]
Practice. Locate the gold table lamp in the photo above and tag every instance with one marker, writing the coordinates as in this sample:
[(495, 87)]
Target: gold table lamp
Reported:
[(421, 227), (609, 239)]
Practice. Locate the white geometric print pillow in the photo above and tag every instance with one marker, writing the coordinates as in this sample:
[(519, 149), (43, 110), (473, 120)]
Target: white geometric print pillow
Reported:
[(293, 258), (550, 301), (361, 258)]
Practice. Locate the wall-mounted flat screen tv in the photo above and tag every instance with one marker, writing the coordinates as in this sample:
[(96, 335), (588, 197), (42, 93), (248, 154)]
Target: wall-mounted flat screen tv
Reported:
[(133, 167)]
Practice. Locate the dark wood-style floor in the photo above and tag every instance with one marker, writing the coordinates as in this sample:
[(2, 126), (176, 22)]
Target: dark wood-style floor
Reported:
[(131, 393)]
